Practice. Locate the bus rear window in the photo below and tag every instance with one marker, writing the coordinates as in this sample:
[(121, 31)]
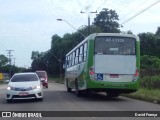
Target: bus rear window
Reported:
[(115, 45)]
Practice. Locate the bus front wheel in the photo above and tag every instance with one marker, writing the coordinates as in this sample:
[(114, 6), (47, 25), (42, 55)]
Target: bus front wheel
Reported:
[(68, 88)]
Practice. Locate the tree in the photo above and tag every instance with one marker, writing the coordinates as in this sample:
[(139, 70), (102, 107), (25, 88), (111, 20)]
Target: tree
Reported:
[(148, 44), (55, 41), (35, 55), (158, 31), (150, 62), (39, 61), (3, 60), (106, 20)]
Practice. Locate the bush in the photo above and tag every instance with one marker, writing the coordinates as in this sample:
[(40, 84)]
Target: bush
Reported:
[(150, 62), (149, 72), (150, 82)]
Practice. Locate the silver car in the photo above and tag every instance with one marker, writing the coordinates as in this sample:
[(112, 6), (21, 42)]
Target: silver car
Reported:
[(24, 86)]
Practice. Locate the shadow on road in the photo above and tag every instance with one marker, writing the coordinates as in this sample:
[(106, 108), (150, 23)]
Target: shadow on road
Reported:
[(58, 96), (22, 101), (64, 96)]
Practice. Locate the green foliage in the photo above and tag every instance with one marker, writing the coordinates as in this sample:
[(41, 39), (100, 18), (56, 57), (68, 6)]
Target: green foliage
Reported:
[(107, 21), (56, 40), (158, 31), (150, 62), (150, 95), (127, 32), (150, 43), (147, 42), (150, 82), (3, 60)]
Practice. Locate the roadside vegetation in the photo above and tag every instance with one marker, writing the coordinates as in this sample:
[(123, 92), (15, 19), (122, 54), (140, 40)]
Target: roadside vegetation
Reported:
[(149, 80), (149, 95), (56, 80), (149, 89)]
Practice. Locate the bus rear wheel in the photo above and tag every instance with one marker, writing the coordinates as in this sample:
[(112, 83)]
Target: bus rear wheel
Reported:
[(78, 92)]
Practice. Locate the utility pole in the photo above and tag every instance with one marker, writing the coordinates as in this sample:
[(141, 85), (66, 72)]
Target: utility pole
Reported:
[(9, 58), (14, 61), (89, 30)]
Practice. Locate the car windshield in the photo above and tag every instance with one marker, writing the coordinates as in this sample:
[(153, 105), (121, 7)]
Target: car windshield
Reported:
[(24, 78)]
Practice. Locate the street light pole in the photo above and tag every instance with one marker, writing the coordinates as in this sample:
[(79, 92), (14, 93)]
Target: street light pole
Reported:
[(60, 62), (72, 27)]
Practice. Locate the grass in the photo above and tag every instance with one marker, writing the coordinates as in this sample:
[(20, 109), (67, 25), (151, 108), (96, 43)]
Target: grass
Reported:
[(149, 95), (57, 80)]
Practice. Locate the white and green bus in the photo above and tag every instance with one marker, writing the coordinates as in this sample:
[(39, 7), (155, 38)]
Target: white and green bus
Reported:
[(104, 62)]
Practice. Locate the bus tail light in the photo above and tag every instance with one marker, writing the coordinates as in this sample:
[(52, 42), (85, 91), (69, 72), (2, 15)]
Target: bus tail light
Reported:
[(136, 75), (92, 73)]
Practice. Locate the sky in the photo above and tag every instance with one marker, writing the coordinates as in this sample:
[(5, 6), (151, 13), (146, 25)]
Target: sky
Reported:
[(28, 25)]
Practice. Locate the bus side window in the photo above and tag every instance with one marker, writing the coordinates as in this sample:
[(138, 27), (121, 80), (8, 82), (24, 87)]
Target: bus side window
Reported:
[(67, 64), (70, 60), (77, 54), (73, 58), (85, 51), (81, 54)]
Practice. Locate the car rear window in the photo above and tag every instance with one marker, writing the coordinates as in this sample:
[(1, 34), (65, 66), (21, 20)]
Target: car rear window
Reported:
[(24, 78), (41, 74)]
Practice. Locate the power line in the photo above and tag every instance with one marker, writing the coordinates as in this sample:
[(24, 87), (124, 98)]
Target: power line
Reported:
[(101, 5), (134, 8), (140, 12)]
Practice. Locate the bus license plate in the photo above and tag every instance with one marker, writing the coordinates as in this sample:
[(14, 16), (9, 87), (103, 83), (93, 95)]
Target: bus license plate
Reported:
[(114, 75), (23, 93)]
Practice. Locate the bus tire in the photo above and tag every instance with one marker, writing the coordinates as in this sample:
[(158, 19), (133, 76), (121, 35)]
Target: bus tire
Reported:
[(68, 89), (78, 92)]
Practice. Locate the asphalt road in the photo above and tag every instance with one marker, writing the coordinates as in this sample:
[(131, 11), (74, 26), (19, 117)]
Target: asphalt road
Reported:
[(56, 98)]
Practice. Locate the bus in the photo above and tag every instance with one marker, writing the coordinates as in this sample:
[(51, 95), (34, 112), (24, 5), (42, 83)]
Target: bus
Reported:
[(104, 62)]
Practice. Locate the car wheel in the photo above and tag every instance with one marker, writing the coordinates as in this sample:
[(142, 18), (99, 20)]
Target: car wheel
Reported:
[(9, 101), (47, 86), (40, 99)]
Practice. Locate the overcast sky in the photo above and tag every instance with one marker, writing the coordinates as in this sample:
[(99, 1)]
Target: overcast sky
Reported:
[(28, 25)]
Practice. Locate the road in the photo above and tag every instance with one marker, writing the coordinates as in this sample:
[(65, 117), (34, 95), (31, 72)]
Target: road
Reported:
[(56, 98)]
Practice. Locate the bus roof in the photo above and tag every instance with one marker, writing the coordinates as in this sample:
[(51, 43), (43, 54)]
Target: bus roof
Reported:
[(92, 37)]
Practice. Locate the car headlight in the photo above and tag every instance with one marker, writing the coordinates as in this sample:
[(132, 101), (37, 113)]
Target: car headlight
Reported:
[(36, 87), (10, 88)]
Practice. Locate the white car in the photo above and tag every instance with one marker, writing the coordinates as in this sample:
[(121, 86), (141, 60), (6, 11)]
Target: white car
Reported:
[(24, 86)]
